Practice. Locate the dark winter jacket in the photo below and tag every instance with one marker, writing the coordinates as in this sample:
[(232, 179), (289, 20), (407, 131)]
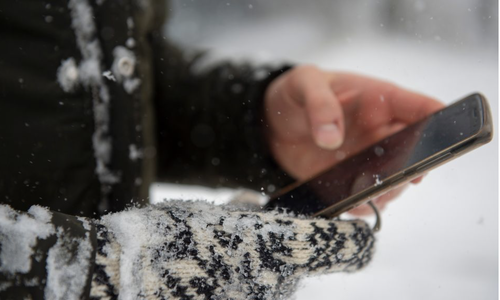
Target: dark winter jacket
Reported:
[(95, 104)]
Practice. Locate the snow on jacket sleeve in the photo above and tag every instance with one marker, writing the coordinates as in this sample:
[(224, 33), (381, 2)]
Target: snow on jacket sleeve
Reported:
[(45, 255), (175, 250), (210, 122)]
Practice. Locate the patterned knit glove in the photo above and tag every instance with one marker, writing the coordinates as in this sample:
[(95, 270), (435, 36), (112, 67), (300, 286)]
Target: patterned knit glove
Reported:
[(195, 250)]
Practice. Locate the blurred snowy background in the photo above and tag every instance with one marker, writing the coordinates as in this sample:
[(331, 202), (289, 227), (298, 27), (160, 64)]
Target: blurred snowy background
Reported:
[(440, 239)]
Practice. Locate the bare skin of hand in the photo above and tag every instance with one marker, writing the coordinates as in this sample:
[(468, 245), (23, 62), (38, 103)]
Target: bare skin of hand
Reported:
[(317, 118)]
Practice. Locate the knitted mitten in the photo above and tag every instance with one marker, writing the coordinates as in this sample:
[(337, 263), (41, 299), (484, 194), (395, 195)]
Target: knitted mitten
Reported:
[(195, 250)]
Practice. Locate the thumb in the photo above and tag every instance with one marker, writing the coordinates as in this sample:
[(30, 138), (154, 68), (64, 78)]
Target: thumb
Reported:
[(323, 110)]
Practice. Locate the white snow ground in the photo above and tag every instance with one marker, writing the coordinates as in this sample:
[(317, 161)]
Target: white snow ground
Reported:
[(439, 240)]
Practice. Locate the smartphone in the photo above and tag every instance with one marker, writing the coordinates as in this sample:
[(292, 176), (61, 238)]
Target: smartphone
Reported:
[(391, 162)]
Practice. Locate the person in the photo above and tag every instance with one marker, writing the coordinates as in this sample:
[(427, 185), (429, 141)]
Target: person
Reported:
[(96, 103)]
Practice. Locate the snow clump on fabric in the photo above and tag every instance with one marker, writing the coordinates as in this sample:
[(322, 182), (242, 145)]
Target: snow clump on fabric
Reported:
[(22, 232), (67, 75), (68, 264)]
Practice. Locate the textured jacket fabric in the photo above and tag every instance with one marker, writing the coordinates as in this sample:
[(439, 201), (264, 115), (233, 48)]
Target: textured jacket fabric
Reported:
[(96, 104)]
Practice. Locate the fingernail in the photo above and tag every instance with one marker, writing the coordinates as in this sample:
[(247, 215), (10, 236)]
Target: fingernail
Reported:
[(328, 136)]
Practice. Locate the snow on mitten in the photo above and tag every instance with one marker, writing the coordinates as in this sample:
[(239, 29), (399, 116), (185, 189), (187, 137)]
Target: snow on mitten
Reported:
[(195, 250)]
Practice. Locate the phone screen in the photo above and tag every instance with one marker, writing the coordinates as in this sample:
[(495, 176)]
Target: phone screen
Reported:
[(391, 156)]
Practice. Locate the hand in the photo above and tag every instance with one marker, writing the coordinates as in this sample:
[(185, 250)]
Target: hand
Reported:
[(317, 118), (195, 250)]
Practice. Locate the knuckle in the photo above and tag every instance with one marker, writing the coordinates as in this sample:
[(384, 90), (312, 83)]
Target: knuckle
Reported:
[(306, 70), (317, 100), (391, 90)]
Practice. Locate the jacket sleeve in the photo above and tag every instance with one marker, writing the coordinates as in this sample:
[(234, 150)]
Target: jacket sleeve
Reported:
[(210, 123), (174, 250), (45, 255)]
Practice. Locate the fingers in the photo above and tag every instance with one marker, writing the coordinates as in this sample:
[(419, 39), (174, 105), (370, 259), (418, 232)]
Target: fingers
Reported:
[(418, 179), (381, 202), (410, 107), (309, 88), (365, 95)]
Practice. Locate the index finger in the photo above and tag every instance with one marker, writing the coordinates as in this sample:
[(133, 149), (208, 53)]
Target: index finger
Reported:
[(410, 107), (391, 102)]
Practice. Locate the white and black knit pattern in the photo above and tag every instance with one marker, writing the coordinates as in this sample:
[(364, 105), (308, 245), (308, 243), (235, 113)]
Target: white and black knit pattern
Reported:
[(194, 250)]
